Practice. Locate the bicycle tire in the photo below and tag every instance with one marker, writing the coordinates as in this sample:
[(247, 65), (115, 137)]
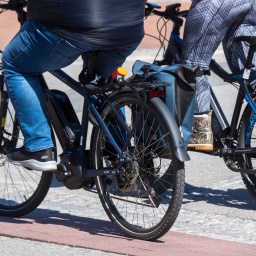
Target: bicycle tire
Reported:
[(21, 190), (140, 217), (247, 135)]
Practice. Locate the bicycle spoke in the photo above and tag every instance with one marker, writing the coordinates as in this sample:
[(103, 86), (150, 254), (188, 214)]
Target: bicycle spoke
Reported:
[(148, 182)]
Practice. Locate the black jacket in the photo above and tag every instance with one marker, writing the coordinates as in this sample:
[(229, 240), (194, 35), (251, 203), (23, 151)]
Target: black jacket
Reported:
[(103, 23)]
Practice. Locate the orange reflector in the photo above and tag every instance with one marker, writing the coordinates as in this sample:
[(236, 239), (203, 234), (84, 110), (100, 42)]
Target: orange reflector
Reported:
[(120, 71), (153, 94)]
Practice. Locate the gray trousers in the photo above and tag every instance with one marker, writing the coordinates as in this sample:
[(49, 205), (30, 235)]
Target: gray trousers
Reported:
[(210, 23)]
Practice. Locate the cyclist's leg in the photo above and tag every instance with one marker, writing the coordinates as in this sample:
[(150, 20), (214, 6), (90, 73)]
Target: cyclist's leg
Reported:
[(206, 26), (27, 55), (114, 59), (34, 50), (236, 52), (108, 61)]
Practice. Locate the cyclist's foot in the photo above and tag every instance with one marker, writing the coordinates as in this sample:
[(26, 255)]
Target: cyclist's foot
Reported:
[(202, 136), (39, 161)]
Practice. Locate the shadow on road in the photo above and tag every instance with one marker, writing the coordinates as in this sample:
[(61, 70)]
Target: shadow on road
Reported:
[(91, 226), (84, 224), (235, 198)]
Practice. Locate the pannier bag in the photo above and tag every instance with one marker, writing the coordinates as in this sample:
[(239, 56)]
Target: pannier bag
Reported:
[(179, 94)]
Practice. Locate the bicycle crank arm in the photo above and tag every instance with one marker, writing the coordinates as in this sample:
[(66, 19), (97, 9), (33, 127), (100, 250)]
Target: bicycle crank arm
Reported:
[(248, 171), (234, 151), (92, 173), (233, 165), (137, 193), (115, 190)]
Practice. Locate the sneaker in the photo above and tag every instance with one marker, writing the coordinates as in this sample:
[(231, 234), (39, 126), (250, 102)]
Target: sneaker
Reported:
[(39, 161), (202, 136)]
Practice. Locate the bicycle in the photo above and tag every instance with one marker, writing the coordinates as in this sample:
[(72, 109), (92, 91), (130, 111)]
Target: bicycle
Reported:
[(136, 156), (233, 142)]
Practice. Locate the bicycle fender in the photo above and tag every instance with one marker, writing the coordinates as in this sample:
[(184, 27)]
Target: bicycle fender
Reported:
[(179, 149)]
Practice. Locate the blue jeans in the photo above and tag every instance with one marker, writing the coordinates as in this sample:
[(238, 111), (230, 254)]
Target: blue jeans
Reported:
[(35, 50)]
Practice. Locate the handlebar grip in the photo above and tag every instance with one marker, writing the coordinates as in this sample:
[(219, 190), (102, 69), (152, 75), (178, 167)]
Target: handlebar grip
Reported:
[(14, 5), (172, 13), (159, 13), (5, 6)]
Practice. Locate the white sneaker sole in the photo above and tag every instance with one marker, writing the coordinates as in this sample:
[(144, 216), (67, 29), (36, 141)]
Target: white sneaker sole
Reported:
[(36, 165)]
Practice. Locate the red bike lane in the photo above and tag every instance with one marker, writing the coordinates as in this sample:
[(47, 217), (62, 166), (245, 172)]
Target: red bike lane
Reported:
[(101, 235)]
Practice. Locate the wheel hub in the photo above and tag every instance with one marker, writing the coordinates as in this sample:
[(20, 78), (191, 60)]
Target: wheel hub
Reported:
[(128, 176)]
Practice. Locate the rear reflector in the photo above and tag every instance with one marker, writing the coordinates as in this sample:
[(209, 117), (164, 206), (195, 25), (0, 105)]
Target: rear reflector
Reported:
[(153, 94)]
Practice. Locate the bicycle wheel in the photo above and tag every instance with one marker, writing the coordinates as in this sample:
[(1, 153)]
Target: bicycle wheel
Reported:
[(153, 166), (247, 138), (21, 190)]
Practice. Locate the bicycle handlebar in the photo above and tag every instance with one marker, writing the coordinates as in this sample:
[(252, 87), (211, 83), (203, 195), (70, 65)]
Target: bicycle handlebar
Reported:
[(172, 12), (5, 6), (18, 8), (13, 7)]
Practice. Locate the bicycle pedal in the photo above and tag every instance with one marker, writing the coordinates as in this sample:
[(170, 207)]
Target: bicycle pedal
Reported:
[(88, 184), (62, 173)]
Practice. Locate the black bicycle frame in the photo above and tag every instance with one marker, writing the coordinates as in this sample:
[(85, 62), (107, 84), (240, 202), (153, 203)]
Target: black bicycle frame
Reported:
[(64, 133), (67, 137), (223, 132), (229, 130)]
